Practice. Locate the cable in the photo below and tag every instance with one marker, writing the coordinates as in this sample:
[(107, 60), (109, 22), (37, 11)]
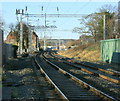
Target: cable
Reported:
[(84, 6), (47, 7)]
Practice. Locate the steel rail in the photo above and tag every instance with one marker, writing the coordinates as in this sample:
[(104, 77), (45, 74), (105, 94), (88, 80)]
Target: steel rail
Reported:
[(92, 70), (60, 92), (80, 81), (99, 73), (92, 67)]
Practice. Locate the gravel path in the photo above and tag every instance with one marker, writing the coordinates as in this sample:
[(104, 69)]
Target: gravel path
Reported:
[(26, 82)]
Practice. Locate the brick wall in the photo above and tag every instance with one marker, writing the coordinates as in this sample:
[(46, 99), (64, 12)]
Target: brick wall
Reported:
[(11, 39)]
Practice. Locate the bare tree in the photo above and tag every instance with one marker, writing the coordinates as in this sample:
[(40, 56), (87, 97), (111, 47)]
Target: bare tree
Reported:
[(12, 27), (93, 23), (108, 8), (1, 23)]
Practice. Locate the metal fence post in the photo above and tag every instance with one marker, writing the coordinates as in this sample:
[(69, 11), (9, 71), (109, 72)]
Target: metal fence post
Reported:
[(1, 61), (1, 49)]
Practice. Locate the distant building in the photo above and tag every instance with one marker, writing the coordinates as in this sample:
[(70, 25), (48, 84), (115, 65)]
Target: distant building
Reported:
[(35, 41), (12, 39), (55, 44), (85, 39)]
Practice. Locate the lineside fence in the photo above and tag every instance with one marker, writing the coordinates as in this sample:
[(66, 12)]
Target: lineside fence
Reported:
[(7, 51), (110, 51)]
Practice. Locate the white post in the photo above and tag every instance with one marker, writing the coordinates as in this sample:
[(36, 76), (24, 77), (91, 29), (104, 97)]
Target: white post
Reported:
[(44, 42), (44, 34), (21, 35), (104, 27)]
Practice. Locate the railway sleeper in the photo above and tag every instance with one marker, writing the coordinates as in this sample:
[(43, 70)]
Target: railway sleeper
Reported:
[(98, 74), (99, 68), (83, 84), (92, 67)]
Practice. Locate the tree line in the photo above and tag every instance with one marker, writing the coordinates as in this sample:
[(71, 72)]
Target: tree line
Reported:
[(93, 24)]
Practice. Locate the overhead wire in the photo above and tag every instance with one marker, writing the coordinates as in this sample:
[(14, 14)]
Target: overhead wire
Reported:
[(78, 10), (82, 7), (47, 7), (58, 8)]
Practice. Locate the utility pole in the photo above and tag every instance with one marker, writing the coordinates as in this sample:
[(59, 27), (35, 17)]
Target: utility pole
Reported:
[(29, 35), (44, 34), (21, 35), (44, 41), (104, 27), (20, 12), (104, 24)]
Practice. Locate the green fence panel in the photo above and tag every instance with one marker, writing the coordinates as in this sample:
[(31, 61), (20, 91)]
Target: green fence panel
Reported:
[(110, 50)]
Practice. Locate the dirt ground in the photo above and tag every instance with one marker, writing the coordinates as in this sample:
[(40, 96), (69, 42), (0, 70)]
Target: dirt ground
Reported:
[(20, 80)]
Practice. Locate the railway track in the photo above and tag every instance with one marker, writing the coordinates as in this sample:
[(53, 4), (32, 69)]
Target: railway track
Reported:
[(97, 70), (95, 80), (104, 84), (90, 65), (69, 86)]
